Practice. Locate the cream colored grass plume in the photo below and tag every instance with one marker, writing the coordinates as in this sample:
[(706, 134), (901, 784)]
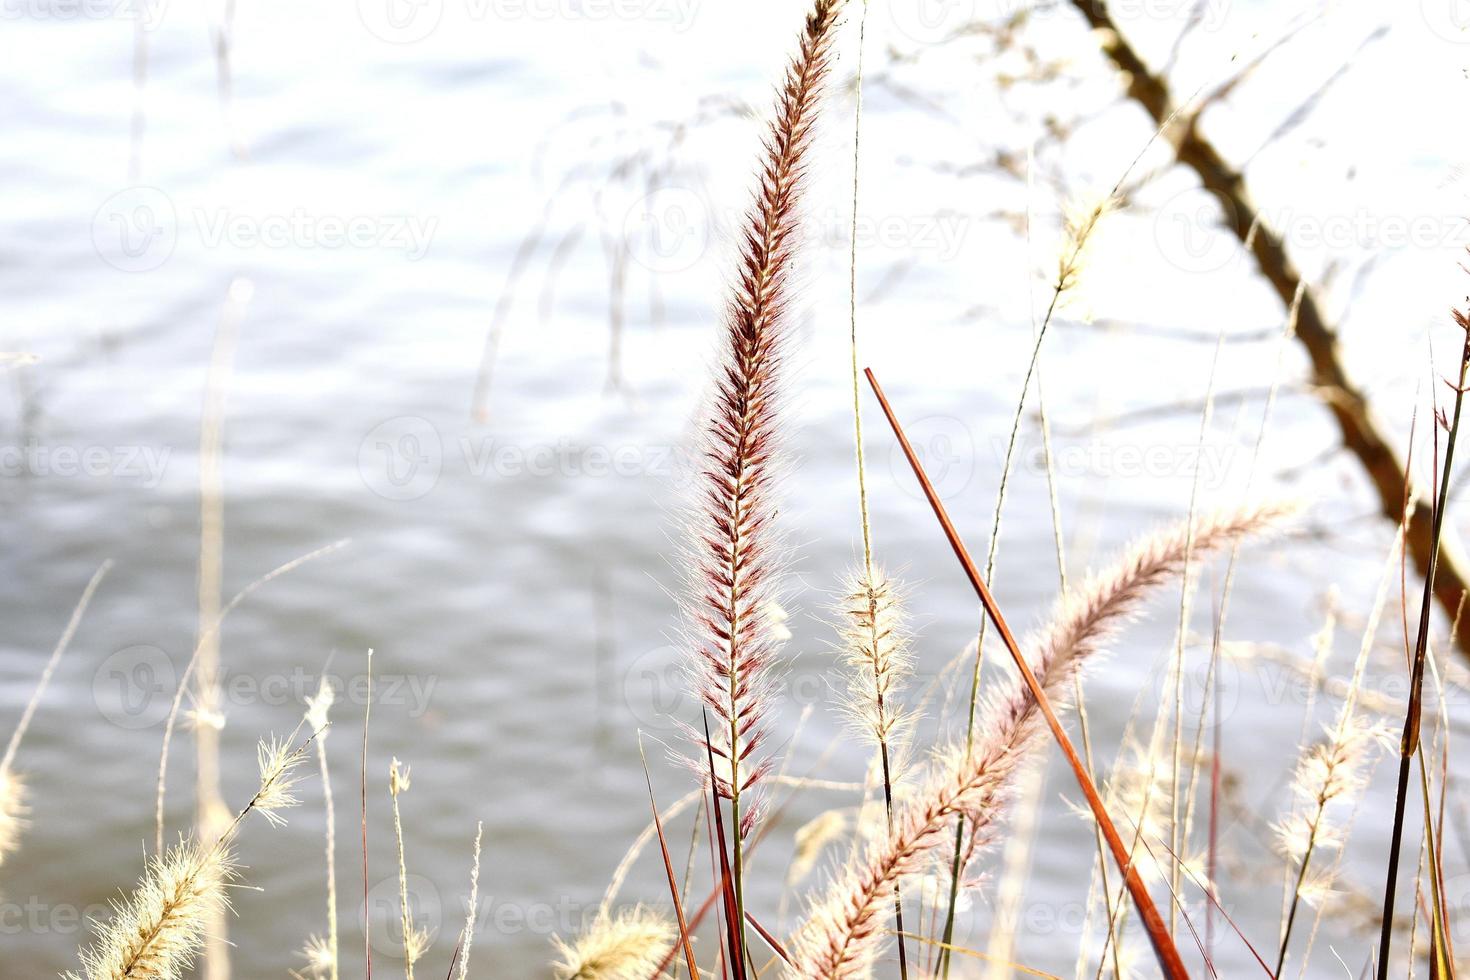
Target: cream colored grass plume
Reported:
[(843, 935), (321, 952), (627, 946), (156, 932)]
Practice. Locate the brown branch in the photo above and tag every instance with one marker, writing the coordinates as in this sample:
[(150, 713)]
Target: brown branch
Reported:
[(1344, 399)]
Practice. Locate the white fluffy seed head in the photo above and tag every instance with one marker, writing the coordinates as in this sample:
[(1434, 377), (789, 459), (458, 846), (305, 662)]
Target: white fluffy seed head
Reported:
[(875, 649), (13, 811), (278, 778), (318, 707), (628, 946), (156, 933)]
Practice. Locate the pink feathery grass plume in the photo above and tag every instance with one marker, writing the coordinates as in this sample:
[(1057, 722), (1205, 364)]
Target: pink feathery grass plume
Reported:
[(736, 560), (843, 934)]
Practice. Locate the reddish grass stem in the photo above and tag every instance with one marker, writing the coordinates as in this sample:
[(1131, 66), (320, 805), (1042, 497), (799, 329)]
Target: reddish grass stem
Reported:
[(1164, 948)]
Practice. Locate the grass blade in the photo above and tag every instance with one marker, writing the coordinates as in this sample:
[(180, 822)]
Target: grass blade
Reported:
[(663, 847), (1164, 948)]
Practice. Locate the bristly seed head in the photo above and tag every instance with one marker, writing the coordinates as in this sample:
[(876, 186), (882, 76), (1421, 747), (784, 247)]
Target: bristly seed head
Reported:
[(734, 626), (629, 946), (278, 778), (13, 812), (875, 646)]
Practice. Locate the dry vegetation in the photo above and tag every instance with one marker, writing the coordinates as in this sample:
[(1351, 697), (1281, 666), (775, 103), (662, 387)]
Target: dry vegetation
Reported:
[(909, 845)]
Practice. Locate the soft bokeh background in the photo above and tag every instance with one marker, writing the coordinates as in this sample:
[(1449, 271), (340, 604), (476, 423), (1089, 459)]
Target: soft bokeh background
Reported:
[(367, 194)]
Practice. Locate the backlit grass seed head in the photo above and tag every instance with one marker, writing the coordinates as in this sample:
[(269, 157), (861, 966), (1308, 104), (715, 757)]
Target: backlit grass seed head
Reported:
[(875, 648), (734, 629), (318, 707), (628, 946), (399, 779), (416, 944), (1330, 771), (13, 812), (1079, 231), (845, 930), (277, 762), (156, 933), (318, 955)]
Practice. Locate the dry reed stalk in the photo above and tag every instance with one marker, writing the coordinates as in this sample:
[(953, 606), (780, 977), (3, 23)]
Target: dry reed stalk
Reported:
[(874, 640), (415, 940), (472, 907), (156, 933), (842, 936), (736, 568), (13, 808), (207, 714), (1329, 772), (367, 922), (321, 951), (184, 682), (1177, 837), (1065, 280)]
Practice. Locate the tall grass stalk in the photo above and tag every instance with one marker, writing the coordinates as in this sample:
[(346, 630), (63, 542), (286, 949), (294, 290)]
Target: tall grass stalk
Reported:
[(12, 786), (323, 954), (1409, 743), (1177, 835), (367, 921), (186, 679), (736, 567), (472, 907), (415, 940), (1327, 773), (207, 714), (873, 647)]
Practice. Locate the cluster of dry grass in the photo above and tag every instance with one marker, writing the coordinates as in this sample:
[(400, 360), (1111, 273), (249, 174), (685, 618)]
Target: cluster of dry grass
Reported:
[(888, 906)]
